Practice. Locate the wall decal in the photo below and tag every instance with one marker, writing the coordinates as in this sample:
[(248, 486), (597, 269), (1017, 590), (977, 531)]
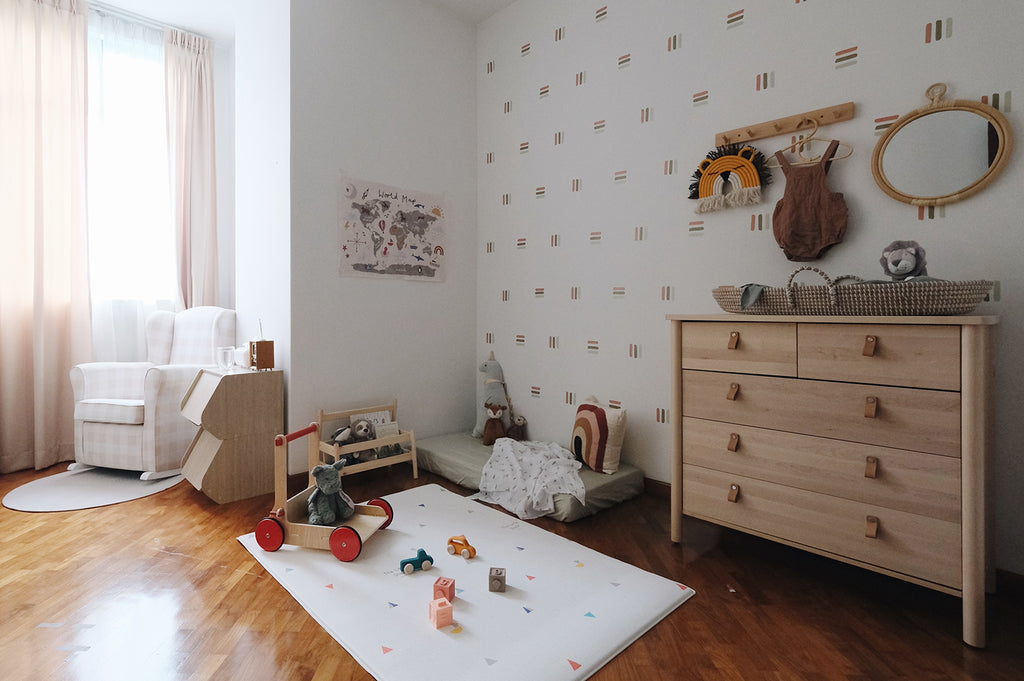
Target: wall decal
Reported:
[(675, 42), (559, 137), (930, 212), (489, 338), (538, 292), (508, 106), (520, 340), (521, 243), (524, 147), (668, 293), (625, 60), (392, 232), (734, 19), (506, 199), (553, 342), (882, 124), (599, 125), (847, 57), (524, 50), (601, 14), (490, 67), (634, 351), (577, 184), (998, 102), (559, 33), (671, 165), (505, 295), (574, 293), (541, 192), (765, 81), (570, 398), (760, 222), (696, 228), (535, 391), (700, 97), (581, 78), (618, 292), (938, 30), (489, 247), (661, 415), (556, 240), (620, 177), (544, 91), (593, 347), (646, 114), (640, 233), (595, 238)]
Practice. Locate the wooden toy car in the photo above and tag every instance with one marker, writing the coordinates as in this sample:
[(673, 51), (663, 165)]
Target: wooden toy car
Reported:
[(289, 522), (422, 561), (458, 544)]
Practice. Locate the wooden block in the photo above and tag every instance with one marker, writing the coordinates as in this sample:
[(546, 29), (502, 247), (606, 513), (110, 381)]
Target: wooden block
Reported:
[(444, 587), (496, 580), (441, 613)]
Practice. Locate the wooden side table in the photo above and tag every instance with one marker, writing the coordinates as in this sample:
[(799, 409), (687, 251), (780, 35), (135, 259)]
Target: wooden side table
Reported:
[(238, 414)]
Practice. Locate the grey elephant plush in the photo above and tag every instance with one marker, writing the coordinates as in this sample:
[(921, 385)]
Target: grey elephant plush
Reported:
[(328, 504)]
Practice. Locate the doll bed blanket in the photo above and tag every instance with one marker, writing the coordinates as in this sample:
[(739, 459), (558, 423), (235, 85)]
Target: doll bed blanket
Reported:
[(460, 458)]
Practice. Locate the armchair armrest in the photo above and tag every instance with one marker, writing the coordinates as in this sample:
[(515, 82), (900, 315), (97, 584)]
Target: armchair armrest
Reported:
[(116, 380)]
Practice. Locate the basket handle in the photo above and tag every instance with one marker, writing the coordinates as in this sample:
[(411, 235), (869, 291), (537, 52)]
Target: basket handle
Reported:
[(791, 289)]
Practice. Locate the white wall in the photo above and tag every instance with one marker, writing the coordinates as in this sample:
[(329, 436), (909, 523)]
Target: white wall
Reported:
[(263, 176), (385, 91), (544, 341)]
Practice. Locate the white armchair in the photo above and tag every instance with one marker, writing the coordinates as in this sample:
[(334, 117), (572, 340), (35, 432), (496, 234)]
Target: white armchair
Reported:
[(128, 414)]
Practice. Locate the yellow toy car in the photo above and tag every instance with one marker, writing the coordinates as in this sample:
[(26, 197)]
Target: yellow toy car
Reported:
[(459, 545)]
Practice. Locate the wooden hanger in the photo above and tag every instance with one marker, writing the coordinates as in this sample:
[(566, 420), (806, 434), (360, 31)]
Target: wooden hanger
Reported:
[(799, 145)]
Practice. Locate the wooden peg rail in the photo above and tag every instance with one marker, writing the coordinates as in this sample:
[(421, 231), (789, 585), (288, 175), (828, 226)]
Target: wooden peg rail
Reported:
[(787, 124)]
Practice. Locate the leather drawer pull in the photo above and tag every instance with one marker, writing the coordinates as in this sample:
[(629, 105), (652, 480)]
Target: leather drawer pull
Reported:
[(734, 442), (870, 343), (734, 340), (871, 467), (734, 389), (870, 407), (871, 531), (734, 493)]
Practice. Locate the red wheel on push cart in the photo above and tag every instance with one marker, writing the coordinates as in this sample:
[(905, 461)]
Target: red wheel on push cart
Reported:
[(346, 544), (382, 503), (269, 534)]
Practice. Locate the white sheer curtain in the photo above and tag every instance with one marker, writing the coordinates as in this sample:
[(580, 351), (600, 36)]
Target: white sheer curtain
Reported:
[(190, 134), (131, 236), (44, 307)]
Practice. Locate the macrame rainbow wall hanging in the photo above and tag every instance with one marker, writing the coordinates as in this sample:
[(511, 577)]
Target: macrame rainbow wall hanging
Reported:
[(731, 175)]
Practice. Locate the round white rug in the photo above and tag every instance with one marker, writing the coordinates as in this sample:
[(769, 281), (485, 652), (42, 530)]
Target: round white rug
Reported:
[(73, 490)]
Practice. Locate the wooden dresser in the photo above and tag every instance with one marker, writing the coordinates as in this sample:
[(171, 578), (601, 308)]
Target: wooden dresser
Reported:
[(862, 439)]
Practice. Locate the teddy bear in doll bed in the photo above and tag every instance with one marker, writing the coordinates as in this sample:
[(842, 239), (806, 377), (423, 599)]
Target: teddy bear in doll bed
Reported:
[(596, 439)]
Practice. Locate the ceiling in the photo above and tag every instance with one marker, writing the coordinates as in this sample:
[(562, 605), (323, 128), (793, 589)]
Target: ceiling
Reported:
[(216, 18)]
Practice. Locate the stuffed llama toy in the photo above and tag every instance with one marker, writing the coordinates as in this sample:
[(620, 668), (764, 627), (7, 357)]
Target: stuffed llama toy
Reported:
[(493, 393), (328, 504)]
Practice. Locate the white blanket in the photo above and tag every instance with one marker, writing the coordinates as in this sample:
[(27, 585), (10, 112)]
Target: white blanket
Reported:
[(524, 477)]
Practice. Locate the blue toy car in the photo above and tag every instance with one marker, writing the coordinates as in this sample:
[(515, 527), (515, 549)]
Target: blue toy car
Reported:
[(422, 561)]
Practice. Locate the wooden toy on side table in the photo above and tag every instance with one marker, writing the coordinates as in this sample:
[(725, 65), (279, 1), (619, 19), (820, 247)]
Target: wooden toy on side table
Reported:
[(289, 522)]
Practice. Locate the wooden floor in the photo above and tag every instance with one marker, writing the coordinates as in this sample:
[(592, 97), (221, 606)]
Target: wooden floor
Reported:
[(159, 589)]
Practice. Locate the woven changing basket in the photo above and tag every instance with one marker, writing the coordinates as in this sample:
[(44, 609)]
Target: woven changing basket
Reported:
[(861, 298)]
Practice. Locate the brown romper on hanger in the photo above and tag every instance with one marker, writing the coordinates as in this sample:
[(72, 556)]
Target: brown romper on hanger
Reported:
[(809, 218)]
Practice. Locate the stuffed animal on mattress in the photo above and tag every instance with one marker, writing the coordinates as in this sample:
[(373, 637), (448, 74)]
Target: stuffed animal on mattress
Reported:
[(902, 260), (328, 504), (517, 431), (493, 392), (494, 429)]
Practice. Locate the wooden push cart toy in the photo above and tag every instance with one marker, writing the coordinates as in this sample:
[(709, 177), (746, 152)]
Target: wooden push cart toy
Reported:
[(289, 522)]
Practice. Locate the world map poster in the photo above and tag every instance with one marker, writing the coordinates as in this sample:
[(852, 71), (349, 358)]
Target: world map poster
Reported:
[(392, 232)]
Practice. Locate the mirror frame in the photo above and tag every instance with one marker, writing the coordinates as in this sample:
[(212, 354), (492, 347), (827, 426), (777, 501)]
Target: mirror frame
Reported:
[(937, 104)]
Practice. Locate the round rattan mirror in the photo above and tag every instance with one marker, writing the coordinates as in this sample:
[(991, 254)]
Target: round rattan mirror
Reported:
[(943, 152)]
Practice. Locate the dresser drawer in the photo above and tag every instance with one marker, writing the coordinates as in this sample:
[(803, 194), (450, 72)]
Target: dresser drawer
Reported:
[(905, 418), (909, 544), (747, 347), (904, 355), (914, 482)]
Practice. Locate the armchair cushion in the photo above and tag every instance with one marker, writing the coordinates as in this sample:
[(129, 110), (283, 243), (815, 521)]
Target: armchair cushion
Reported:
[(110, 411)]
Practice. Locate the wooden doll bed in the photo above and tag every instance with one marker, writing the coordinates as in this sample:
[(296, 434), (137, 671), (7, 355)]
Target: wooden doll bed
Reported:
[(460, 457)]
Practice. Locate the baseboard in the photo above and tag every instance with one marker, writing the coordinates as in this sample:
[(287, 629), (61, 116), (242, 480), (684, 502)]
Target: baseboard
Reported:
[(1010, 586), (657, 488)]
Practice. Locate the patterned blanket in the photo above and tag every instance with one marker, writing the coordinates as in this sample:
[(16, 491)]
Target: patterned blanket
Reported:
[(525, 476)]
